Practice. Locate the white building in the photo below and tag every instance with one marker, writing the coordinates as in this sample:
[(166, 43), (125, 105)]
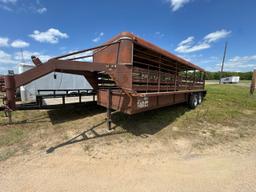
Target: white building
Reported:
[(63, 81)]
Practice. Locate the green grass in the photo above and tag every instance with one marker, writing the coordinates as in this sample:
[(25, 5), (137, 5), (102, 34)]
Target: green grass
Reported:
[(12, 136), (5, 154), (245, 81), (224, 104), (226, 114)]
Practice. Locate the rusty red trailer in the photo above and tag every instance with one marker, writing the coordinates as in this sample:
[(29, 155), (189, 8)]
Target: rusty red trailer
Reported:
[(129, 74)]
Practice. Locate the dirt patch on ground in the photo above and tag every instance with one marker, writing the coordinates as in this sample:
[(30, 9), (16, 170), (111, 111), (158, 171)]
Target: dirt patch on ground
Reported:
[(119, 162)]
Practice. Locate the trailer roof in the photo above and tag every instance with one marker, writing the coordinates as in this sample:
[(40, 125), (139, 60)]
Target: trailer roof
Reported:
[(155, 48)]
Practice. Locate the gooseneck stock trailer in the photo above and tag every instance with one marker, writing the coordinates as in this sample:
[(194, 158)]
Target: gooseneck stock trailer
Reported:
[(127, 73)]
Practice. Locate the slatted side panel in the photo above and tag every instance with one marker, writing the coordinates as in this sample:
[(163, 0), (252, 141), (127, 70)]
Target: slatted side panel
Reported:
[(105, 81), (155, 73), (144, 79), (2, 84)]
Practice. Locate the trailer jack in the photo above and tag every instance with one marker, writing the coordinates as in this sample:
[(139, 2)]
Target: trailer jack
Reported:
[(109, 121), (8, 113)]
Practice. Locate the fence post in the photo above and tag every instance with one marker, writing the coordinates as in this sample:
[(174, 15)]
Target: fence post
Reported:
[(252, 88)]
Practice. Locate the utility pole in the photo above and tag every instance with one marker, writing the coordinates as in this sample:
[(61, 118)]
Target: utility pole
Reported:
[(22, 56), (223, 61)]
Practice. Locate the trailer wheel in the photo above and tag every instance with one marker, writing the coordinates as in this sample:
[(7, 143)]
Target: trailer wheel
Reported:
[(199, 98), (193, 101)]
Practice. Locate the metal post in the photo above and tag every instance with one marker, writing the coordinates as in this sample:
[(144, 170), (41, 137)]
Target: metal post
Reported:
[(80, 96), (109, 109), (186, 78), (159, 78), (9, 114), (204, 77), (147, 79), (10, 90), (223, 61), (252, 88), (39, 101), (194, 79), (175, 78), (63, 99)]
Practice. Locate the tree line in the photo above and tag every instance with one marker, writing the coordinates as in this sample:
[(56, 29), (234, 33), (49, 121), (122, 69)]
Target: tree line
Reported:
[(216, 75)]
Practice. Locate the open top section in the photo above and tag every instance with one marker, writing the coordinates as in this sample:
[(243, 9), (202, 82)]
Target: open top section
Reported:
[(155, 49)]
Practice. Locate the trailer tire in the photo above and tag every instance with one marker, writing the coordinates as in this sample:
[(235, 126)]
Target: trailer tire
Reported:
[(199, 98), (193, 101)]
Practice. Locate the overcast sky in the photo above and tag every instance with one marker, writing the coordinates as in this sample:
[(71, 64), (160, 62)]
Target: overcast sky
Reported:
[(193, 29)]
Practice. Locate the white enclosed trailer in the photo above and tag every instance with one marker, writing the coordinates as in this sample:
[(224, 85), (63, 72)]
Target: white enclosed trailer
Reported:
[(51, 81), (231, 79)]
